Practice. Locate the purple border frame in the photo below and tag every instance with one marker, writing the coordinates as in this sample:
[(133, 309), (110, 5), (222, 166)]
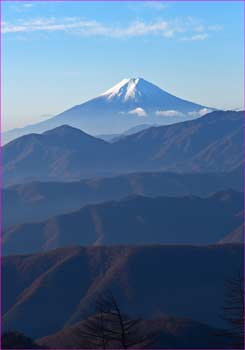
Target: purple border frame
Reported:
[(92, 1)]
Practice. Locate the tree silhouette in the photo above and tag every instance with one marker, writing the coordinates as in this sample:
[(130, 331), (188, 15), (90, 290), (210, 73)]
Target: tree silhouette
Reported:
[(110, 328), (94, 330)]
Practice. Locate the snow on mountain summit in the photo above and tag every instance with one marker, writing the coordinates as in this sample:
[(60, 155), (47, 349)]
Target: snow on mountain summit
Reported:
[(141, 93), (125, 89)]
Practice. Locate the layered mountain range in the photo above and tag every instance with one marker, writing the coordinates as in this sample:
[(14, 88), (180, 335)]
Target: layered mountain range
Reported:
[(213, 143), (131, 221), (154, 214), (36, 201)]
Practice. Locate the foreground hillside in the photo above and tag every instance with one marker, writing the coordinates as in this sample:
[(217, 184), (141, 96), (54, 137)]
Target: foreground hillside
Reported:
[(38, 201), (133, 220), (44, 292), (164, 333), (213, 143)]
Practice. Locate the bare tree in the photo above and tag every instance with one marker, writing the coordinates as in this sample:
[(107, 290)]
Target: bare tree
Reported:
[(110, 328), (94, 332), (123, 331)]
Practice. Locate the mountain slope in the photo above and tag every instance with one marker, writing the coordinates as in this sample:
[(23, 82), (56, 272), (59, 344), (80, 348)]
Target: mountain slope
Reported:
[(37, 201), (43, 293), (213, 143), (133, 220), (57, 153), (125, 105), (165, 333), (237, 236)]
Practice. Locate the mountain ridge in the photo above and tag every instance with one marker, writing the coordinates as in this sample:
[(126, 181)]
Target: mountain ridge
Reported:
[(133, 220), (212, 143), (37, 201)]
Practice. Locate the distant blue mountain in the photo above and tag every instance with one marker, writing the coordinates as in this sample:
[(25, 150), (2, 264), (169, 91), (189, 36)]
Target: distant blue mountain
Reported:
[(129, 103)]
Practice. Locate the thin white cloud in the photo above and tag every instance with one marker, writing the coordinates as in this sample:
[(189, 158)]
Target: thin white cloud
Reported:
[(140, 112), (200, 113), (165, 28), (196, 37), (169, 113), (87, 28), (215, 27), (19, 6), (52, 25)]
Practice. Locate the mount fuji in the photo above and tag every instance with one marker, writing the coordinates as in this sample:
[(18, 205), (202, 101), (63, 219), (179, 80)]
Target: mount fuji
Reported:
[(129, 103)]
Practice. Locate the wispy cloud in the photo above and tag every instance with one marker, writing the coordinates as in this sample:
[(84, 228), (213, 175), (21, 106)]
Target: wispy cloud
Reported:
[(88, 27), (20, 6), (200, 113), (169, 113), (175, 113), (74, 25), (202, 32), (52, 25), (196, 37)]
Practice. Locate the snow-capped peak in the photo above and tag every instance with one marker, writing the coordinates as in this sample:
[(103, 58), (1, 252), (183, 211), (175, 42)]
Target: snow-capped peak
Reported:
[(126, 89)]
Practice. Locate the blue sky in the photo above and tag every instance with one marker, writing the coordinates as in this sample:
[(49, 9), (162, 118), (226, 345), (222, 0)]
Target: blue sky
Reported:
[(59, 54)]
